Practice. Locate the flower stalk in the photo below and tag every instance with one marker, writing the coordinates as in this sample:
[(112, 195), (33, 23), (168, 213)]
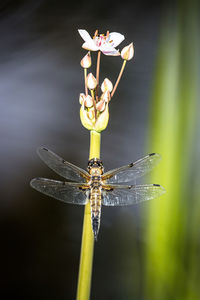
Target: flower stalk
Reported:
[(94, 115), (98, 66), (85, 78), (119, 77), (87, 247), (97, 72), (94, 103)]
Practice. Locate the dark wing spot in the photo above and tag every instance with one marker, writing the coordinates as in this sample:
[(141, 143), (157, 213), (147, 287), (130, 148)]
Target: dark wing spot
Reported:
[(45, 149), (83, 188), (156, 184), (131, 165), (151, 154), (108, 189)]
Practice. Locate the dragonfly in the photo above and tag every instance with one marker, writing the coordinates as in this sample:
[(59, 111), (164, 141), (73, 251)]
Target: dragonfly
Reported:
[(111, 188)]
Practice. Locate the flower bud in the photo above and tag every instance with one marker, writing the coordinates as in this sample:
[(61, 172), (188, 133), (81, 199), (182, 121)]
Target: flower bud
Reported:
[(86, 122), (127, 52), (88, 101), (91, 81), (100, 106), (106, 96), (86, 61), (82, 98), (102, 120), (91, 114), (106, 85)]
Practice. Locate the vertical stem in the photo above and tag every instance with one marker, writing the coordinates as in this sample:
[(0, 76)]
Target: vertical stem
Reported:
[(94, 103), (87, 247), (98, 66), (119, 77), (97, 73), (85, 77), (95, 141)]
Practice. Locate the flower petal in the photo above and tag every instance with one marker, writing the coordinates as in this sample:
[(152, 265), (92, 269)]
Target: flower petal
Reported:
[(85, 35), (89, 42), (107, 49), (116, 38), (90, 46)]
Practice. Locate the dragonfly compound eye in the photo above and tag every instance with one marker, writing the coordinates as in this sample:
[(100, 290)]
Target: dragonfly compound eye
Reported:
[(95, 163), (90, 163)]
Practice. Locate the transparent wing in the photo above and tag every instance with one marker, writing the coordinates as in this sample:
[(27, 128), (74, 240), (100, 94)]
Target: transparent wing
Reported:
[(120, 195), (62, 167), (132, 171), (69, 192)]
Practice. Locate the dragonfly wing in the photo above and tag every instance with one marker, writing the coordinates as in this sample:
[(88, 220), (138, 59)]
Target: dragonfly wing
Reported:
[(62, 167), (69, 192), (120, 195), (132, 171)]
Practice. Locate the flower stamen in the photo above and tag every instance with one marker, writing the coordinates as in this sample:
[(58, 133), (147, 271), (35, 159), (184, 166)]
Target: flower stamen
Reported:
[(95, 34)]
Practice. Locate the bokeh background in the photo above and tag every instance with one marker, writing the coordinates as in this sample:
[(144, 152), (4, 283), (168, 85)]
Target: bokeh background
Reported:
[(146, 252)]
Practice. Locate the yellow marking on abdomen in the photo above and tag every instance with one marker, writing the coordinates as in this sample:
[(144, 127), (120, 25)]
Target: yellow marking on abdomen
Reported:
[(95, 203)]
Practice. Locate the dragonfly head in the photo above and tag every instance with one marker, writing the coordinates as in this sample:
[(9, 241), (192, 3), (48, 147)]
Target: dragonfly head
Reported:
[(95, 166)]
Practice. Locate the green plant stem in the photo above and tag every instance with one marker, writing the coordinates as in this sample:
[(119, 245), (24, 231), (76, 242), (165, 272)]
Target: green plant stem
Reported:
[(95, 142), (87, 247), (119, 77)]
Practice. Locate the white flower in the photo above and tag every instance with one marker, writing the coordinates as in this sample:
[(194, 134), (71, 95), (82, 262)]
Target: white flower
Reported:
[(106, 44)]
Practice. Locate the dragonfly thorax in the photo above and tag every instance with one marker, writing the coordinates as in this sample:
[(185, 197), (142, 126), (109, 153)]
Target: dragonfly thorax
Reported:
[(95, 178), (96, 185)]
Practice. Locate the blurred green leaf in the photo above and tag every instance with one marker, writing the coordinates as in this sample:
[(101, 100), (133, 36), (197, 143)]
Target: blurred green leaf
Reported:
[(173, 127)]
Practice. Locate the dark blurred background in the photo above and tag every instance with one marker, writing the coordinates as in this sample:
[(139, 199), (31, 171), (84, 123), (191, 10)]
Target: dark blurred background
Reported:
[(40, 82)]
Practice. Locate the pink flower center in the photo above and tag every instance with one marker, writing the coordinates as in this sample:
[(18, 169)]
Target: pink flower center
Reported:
[(100, 40)]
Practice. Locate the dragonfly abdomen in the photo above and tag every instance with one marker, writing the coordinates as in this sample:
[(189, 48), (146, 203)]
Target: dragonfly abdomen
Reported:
[(95, 203)]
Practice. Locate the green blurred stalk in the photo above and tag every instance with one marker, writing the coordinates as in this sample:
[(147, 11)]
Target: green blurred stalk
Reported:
[(191, 91), (174, 113), (162, 228), (193, 274), (87, 247)]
